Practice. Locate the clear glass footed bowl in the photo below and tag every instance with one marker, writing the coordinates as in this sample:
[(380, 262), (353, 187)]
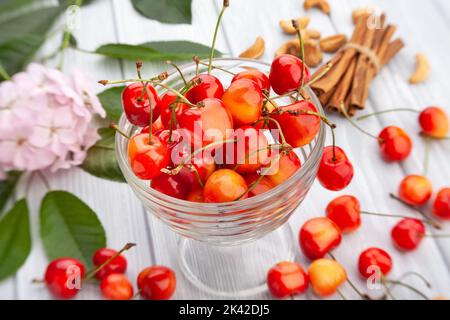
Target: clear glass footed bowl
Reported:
[(232, 223)]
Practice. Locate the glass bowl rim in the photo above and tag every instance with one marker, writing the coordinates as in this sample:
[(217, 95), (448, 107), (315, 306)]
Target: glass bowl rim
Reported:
[(314, 155)]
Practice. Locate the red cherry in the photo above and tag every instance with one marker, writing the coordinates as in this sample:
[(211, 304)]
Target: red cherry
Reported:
[(196, 195), (335, 174), (395, 144), (287, 279), (374, 258), (166, 104), (177, 185), (116, 286), (434, 122), (179, 148), (318, 236), (288, 164), (157, 283), (441, 205), (263, 185), (345, 211), (286, 73), (415, 190), (63, 277), (210, 87), (299, 130), (147, 160), (407, 234), (117, 265), (224, 185), (212, 121), (244, 101), (248, 153), (136, 103), (260, 78)]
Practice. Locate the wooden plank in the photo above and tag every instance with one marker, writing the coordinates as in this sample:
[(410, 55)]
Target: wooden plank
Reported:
[(118, 209)]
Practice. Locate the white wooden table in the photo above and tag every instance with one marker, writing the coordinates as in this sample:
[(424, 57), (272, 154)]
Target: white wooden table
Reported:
[(424, 27)]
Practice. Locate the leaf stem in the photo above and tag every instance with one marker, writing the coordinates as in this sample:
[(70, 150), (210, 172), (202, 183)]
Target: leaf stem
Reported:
[(211, 54), (5, 75)]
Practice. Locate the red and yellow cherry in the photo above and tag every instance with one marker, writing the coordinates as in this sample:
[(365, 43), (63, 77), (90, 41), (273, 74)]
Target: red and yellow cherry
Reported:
[(196, 195), (116, 286), (441, 205), (395, 144), (261, 187), (434, 122), (248, 153), (224, 185), (326, 276), (287, 279), (157, 283), (244, 101), (288, 164), (415, 190), (176, 185), (137, 102), (373, 258), (117, 265), (209, 87), (286, 73), (168, 106), (63, 277), (345, 212), (335, 169), (318, 236), (260, 78), (147, 159), (212, 122), (298, 129), (407, 234)]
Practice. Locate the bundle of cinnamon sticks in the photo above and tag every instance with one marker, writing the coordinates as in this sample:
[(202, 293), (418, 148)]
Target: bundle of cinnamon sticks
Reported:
[(355, 66)]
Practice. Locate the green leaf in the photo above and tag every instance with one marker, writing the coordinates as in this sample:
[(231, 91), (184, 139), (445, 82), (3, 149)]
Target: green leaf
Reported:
[(15, 239), (69, 228), (156, 51), (101, 158), (167, 11), (111, 100), (22, 32), (7, 187)]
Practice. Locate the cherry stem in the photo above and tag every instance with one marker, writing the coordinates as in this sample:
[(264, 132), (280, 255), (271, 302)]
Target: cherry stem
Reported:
[(344, 112), (136, 295), (341, 294), (211, 54), (322, 73), (393, 196), (442, 235), (150, 131), (333, 137), (387, 289), (178, 168), (139, 68), (386, 111), (197, 61), (218, 68), (178, 70), (262, 175), (363, 296), (407, 286), (283, 139), (418, 275), (92, 273), (302, 55), (197, 175), (247, 156), (432, 223), (120, 131)]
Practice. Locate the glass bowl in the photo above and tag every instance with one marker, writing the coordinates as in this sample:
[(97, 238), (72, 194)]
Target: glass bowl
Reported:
[(229, 232)]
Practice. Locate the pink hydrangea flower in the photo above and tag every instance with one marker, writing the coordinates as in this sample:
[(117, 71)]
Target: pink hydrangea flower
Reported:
[(46, 120)]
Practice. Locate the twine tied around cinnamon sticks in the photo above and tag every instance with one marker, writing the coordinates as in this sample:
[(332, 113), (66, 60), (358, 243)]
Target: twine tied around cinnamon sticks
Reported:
[(355, 66)]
